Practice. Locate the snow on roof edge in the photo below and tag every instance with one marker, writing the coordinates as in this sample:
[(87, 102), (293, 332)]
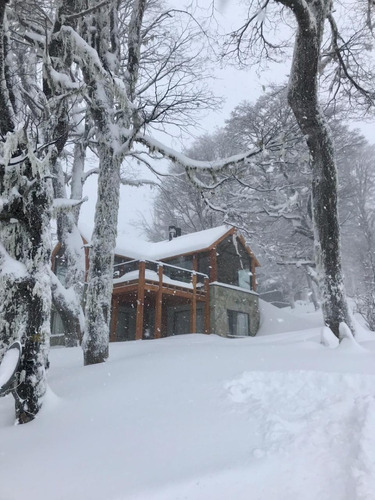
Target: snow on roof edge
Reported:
[(136, 248), (181, 245)]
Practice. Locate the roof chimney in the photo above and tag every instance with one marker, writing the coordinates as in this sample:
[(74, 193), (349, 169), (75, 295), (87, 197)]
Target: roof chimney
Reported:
[(173, 232)]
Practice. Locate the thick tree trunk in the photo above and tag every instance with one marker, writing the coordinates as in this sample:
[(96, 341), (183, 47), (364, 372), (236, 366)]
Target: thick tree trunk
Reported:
[(25, 235), (99, 291), (109, 134), (57, 129), (303, 99), (72, 248), (26, 296)]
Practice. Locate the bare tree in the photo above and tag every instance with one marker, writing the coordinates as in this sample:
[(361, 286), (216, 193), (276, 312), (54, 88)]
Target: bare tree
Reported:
[(26, 205), (309, 59)]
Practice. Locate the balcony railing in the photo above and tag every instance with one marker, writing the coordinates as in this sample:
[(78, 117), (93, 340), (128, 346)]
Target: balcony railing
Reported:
[(172, 275)]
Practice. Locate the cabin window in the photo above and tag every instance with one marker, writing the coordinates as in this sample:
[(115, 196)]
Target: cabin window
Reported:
[(204, 263), (126, 321), (245, 278), (183, 262), (238, 323), (57, 326), (179, 319), (234, 264)]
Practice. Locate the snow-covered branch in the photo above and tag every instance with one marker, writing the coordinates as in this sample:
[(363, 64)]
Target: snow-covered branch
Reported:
[(127, 181), (188, 163), (10, 266), (67, 204)]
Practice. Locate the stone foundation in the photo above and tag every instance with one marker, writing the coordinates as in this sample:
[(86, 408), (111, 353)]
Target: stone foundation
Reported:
[(224, 297)]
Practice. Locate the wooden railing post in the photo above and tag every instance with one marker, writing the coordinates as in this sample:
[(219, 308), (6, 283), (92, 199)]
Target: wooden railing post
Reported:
[(213, 264), (207, 306), (112, 336), (158, 304), (193, 310), (140, 301)]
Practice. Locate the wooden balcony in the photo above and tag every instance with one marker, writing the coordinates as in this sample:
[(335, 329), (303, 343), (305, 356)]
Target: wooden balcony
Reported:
[(134, 279)]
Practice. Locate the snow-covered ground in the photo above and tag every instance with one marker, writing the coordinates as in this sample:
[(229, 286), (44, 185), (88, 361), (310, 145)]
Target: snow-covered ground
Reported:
[(202, 417)]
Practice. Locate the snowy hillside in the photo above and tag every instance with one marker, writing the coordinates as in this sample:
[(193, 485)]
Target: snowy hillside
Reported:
[(201, 417)]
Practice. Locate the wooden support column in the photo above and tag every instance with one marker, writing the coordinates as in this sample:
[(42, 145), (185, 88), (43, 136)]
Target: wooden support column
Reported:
[(213, 264), (140, 301), (112, 335), (207, 306), (193, 309), (158, 304)]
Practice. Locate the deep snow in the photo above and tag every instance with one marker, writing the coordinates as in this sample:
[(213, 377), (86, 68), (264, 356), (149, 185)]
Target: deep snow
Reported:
[(201, 417)]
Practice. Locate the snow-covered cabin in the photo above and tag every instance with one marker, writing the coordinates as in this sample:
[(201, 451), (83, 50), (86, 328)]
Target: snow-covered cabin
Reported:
[(200, 282)]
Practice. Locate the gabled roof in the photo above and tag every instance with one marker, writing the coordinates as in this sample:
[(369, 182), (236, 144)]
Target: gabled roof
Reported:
[(188, 243), (135, 248)]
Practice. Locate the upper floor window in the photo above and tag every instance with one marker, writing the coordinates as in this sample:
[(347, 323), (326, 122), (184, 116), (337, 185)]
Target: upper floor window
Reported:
[(204, 263), (233, 264)]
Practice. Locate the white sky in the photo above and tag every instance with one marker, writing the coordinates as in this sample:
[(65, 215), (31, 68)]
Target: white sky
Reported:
[(230, 83)]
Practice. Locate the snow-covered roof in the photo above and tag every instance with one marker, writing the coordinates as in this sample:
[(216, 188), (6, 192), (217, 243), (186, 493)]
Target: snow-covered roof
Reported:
[(192, 242), (136, 248)]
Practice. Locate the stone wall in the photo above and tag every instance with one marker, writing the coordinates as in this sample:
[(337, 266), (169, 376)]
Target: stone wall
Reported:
[(224, 297)]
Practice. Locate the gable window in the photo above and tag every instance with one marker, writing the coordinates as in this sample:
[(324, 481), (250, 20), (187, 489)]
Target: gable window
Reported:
[(245, 279), (234, 264), (238, 323)]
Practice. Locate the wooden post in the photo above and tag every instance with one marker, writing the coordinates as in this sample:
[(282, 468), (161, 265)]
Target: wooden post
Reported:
[(193, 309), (112, 335), (207, 306), (140, 301), (213, 265), (158, 304)]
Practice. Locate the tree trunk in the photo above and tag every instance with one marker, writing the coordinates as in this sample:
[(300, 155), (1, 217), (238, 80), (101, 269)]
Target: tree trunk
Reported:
[(57, 129), (109, 136), (25, 233), (303, 99), (26, 299), (99, 291)]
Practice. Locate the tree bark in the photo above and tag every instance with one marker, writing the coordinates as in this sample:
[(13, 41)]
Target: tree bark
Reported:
[(303, 99), (109, 136), (100, 278)]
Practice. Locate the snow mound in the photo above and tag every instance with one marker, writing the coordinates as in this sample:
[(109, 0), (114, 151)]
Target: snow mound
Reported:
[(275, 320), (8, 365), (328, 338)]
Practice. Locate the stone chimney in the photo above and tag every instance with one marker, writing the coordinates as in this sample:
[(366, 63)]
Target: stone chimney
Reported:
[(174, 232)]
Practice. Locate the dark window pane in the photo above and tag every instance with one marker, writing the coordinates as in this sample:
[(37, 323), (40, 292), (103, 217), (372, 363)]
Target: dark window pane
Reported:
[(233, 264), (204, 263), (238, 323)]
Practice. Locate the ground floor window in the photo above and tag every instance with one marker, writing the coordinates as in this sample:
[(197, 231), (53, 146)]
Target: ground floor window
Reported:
[(57, 326), (178, 319), (238, 323), (126, 321)]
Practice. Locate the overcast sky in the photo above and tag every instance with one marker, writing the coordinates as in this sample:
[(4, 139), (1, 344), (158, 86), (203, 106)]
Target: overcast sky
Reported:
[(234, 86)]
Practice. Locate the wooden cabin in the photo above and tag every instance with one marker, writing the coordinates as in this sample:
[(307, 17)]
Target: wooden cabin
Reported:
[(200, 282)]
